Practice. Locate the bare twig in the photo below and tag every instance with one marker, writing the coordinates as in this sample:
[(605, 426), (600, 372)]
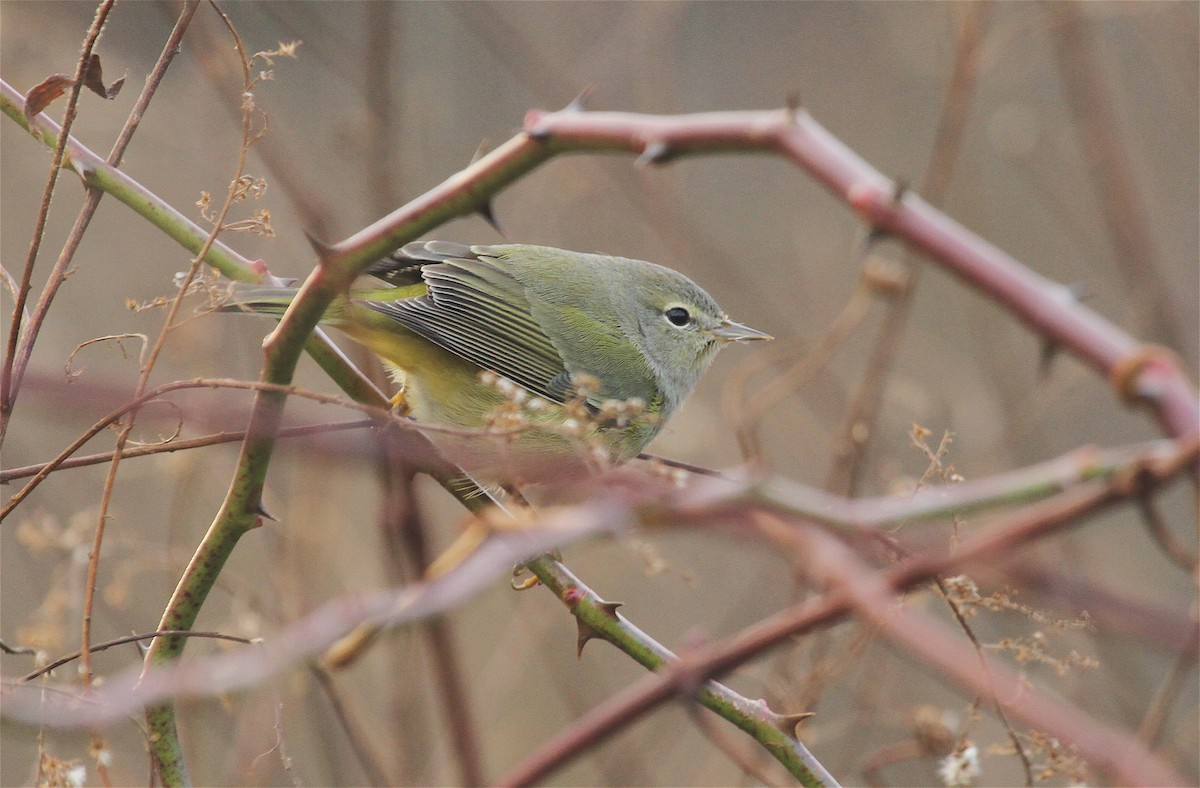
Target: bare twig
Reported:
[(114, 159), (750, 411), (1168, 692), (426, 460), (58, 663), (961, 620), (858, 426), (1123, 207), (872, 597), (613, 715), (405, 530), (181, 444), (9, 373), (1171, 547), (357, 738), (496, 555)]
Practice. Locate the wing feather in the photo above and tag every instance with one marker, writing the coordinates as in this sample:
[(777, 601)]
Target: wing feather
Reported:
[(477, 311)]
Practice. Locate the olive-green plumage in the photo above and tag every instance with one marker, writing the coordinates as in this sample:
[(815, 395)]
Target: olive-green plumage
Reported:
[(538, 316)]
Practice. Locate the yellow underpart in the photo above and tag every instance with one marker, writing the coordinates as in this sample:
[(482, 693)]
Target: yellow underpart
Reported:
[(437, 386)]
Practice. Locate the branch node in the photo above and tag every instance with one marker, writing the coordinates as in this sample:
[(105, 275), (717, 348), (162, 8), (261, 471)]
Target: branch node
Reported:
[(868, 198), (324, 251), (535, 126), (1126, 375), (886, 277)]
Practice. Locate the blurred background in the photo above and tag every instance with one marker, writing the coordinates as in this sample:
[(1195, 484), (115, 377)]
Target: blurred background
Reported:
[(384, 101)]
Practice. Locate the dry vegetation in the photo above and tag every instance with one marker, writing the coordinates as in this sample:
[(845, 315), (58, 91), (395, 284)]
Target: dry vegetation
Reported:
[(956, 540)]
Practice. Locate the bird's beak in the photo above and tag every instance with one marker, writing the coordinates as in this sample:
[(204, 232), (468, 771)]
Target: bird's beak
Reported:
[(729, 331)]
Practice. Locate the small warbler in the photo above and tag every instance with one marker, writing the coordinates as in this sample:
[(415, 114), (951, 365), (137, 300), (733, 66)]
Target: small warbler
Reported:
[(582, 344)]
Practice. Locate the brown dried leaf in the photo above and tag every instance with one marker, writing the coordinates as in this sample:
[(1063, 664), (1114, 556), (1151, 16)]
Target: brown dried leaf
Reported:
[(93, 80), (41, 94)]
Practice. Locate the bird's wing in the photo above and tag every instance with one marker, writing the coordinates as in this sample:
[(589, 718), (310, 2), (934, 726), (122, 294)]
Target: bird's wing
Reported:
[(477, 311), (403, 267)]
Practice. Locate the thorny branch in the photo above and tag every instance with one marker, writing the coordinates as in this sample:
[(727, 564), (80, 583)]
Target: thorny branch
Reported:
[(1139, 373)]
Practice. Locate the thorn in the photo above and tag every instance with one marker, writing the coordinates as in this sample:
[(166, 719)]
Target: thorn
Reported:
[(1072, 293), (586, 632), (262, 512), (578, 104), (788, 722), (656, 152), (481, 151), (901, 188), (1046, 358), (793, 103), (488, 215), (874, 236), (610, 608), (80, 166)]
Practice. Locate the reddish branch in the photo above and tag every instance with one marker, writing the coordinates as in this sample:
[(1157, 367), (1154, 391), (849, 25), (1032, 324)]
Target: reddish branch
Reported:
[(872, 598), (1145, 374), (858, 589), (1139, 373), (308, 637)]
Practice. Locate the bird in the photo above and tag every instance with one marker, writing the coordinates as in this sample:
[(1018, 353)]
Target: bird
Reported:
[(571, 350)]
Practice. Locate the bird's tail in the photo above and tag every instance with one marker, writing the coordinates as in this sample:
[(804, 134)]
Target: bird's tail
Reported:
[(258, 299)]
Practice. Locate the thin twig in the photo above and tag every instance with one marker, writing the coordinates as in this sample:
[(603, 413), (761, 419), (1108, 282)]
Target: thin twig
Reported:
[(405, 534), (858, 426), (182, 444), (961, 619), (1160, 706), (750, 411), (367, 759), (379, 413), (114, 159), (872, 597), (58, 663), (1111, 165), (146, 371), (8, 383), (1159, 530), (94, 194)]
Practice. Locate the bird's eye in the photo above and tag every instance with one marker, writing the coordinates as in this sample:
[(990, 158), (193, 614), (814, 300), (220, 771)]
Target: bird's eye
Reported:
[(678, 316)]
